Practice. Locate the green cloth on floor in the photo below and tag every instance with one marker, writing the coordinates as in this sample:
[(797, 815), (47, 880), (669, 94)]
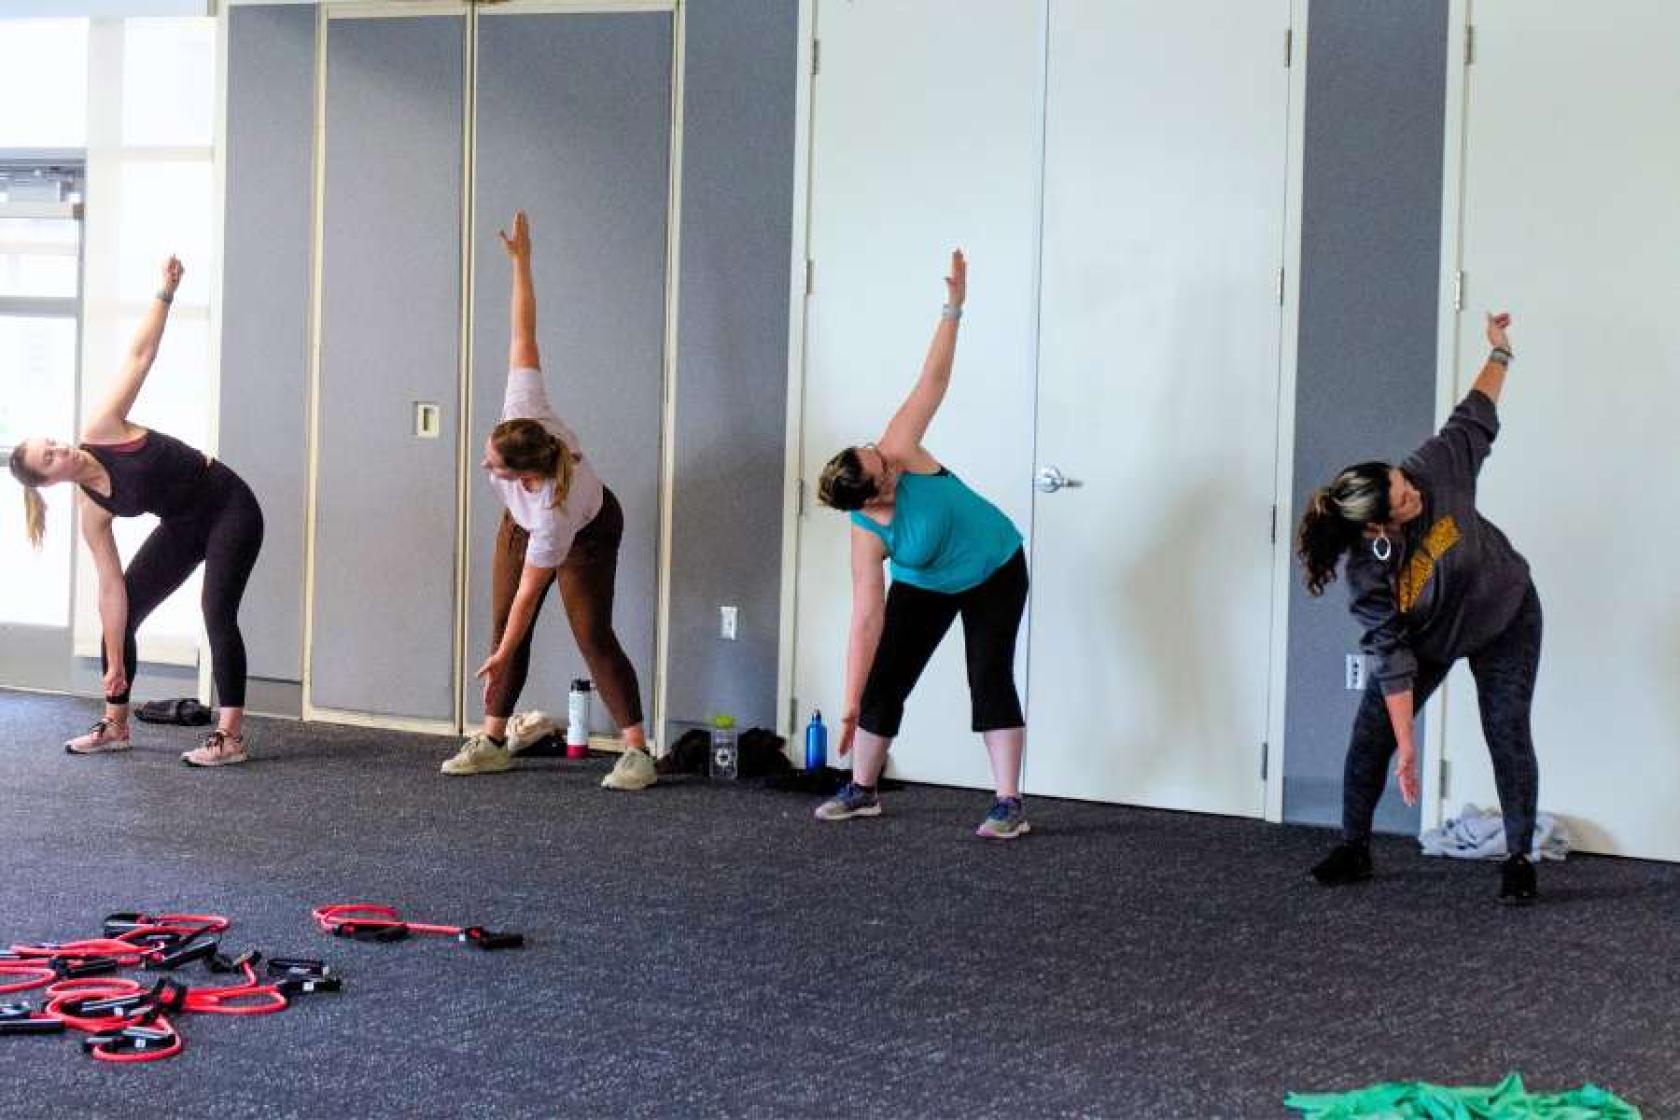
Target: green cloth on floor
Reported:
[(1421, 1101)]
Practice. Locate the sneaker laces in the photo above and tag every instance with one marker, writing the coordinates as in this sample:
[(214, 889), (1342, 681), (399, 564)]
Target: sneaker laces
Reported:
[(220, 742), (1003, 808)]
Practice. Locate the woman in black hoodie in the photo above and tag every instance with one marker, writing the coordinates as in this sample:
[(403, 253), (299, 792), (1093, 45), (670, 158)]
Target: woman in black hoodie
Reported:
[(1432, 581)]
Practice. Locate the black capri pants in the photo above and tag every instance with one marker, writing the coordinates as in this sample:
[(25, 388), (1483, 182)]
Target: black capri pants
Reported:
[(916, 622)]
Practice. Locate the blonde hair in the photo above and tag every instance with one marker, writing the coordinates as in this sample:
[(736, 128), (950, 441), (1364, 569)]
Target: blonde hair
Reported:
[(526, 445), (34, 506)]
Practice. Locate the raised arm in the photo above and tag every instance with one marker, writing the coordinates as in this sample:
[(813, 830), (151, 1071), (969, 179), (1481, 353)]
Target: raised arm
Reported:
[(1492, 378), (903, 438), (113, 594), (110, 419), (869, 607), (522, 347)]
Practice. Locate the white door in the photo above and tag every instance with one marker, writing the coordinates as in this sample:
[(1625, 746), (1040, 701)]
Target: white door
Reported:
[(1571, 219), (1164, 199), (925, 122)]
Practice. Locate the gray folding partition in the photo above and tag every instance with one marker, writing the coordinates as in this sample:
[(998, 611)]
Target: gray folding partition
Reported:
[(574, 127), (386, 512), (265, 310)]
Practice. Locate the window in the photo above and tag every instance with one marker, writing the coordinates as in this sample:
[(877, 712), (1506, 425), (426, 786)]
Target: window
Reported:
[(151, 193), (43, 83)]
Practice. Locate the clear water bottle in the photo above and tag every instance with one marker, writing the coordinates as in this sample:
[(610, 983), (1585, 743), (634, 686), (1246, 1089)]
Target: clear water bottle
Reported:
[(725, 757), (577, 719), (816, 744)]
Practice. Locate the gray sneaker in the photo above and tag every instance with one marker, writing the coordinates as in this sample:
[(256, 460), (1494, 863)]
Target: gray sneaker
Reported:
[(1006, 821), (852, 801)]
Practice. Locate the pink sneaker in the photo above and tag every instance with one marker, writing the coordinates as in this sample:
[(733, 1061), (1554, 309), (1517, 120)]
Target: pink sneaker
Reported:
[(219, 749), (107, 736)]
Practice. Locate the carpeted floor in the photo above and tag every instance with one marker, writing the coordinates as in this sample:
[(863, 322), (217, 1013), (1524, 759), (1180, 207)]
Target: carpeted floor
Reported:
[(705, 951)]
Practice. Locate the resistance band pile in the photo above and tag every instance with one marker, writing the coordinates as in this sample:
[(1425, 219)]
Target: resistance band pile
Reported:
[(124, 1019)]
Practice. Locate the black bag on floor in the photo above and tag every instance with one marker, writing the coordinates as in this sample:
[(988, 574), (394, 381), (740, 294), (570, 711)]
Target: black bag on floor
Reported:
[(185, 712), (760, 754)]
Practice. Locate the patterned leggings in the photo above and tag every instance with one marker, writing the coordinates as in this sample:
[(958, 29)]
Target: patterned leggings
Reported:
[(1505, 670)]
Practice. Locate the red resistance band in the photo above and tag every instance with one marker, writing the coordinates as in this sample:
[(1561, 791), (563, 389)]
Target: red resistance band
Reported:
[(127, 1022), (366, 921)]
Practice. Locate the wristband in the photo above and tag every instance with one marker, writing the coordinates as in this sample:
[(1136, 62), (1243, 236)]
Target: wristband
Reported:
[(166, 295), (1500, 355), (951, 313)]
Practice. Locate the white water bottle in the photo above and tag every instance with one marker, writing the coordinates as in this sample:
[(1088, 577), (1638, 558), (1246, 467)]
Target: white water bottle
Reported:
[(577, 719)]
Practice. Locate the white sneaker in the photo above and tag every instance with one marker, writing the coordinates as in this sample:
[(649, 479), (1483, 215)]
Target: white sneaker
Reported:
[(527, 729), (478, 755), (105, 737), (633, 770)]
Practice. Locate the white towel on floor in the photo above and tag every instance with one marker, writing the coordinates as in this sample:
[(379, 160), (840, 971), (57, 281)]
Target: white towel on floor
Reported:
[(1480, 834)]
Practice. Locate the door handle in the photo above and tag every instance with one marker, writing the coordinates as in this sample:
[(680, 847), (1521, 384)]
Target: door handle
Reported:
[(1051, 479)]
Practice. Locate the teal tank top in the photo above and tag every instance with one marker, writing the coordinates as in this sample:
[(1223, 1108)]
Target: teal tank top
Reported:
[(943, 536)]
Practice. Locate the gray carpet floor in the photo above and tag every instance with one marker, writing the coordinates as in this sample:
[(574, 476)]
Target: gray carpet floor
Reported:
[(711, 951)]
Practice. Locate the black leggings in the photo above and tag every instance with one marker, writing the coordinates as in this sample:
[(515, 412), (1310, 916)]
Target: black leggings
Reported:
[(224, 531), (1505, 670), (916, 622)]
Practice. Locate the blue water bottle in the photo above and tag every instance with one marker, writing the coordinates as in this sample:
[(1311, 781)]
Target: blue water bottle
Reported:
[(816, 743)]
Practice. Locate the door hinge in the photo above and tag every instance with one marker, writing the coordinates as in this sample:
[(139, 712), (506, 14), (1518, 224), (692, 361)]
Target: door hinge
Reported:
[(816, 57), (1458, 291), (1274, 522), (1446, 771), (1469, 44), (799, 497), (1288, 47), (810, 275), (1280, 287), (793, 715), (1265, 760)]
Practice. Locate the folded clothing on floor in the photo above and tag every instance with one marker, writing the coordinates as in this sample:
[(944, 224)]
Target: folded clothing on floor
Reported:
[(1480, 834), (1508, 1100)]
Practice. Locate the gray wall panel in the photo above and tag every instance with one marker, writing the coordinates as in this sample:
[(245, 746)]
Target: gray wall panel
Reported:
[(265, 310), (738, 152), (1376, 88), (390, 325), (574, 127)]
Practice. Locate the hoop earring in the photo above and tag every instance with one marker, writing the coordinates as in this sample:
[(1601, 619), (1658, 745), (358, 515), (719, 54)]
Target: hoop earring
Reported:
[(1382, 548)]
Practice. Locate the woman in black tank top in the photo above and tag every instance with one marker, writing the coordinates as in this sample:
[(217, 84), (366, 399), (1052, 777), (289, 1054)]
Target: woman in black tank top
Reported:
[(206, 515)]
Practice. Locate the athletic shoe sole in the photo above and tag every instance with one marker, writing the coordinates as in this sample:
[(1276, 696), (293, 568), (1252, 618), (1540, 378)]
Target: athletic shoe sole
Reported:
[(225, 760), (867, 811), (987, 834), (104, 748)]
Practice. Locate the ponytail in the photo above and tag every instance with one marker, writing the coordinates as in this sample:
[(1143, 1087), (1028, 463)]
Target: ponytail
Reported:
[(1336, 518), (34, 506), (563, 464)]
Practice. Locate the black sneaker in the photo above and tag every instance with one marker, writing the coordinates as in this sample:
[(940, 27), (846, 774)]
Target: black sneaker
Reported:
[(1516, 880), (1346, 863)]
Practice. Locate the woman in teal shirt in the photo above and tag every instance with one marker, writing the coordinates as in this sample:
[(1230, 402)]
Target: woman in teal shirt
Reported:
[(952, 553)]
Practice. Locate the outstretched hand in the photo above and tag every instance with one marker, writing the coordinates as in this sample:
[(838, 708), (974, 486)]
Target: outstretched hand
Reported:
[(519, 245), (1496, 325), (173, 270), (956, 284)]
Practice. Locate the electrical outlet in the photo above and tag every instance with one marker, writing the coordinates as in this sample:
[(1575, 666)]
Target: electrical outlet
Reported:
[(727, 620), (1355, 672)]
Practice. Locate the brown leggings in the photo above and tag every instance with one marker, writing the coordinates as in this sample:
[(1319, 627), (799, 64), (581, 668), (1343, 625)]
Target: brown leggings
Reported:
[(586, 591)]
